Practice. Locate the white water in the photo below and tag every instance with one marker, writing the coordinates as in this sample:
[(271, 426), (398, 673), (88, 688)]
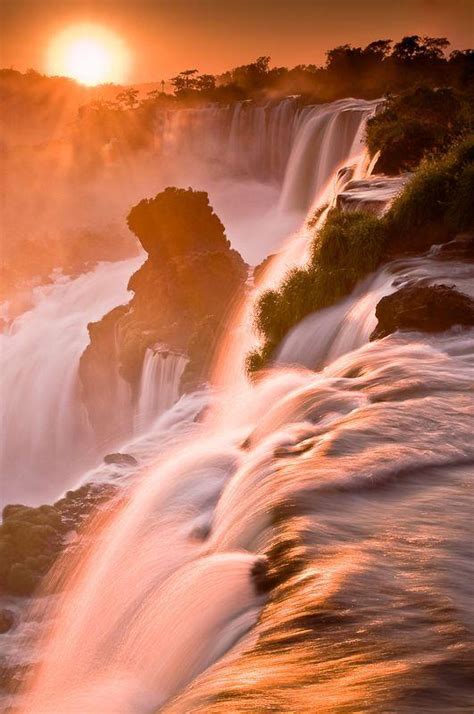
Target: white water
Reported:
[(166, 517), (47, 441), (272, 160), (332, 332), (164, 589), (159, 385)]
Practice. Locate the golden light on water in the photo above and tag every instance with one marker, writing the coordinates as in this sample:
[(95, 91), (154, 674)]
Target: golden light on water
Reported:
[(90, 54)]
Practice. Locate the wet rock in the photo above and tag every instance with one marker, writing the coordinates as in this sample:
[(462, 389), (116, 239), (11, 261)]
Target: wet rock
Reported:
[(201, 532), (260, 576), (295, 449), (181, 297), (7, 620), (120, 459), (373, 194), (460, 248), (432, 308)]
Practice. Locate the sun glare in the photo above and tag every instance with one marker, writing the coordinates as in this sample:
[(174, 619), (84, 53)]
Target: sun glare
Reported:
[(88, 53)]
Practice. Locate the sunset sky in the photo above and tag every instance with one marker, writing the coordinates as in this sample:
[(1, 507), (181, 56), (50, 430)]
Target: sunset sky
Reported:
[(166, 36)]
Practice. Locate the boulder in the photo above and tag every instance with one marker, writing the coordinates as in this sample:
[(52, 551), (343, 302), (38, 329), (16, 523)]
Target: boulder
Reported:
[(424, 308), (120, 459), (7, 620)]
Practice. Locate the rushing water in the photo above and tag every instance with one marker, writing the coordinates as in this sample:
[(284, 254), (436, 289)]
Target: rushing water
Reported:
[(350, 484), (159, 385), (47, 441)]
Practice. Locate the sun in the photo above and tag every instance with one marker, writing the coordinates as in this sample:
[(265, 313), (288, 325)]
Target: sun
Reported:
[(88, 53)]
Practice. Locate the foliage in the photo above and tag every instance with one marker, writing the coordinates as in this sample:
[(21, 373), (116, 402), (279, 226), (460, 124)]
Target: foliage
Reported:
[(347, 248), (32, 538), (436, 203), (414, 124), (432, 208)]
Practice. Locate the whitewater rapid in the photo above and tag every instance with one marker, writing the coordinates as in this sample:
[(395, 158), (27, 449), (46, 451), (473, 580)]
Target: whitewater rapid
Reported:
[(47, 442), (348, 486)]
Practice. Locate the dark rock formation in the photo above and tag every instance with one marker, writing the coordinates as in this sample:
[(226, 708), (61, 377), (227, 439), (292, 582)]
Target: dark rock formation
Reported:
[(181, 295), (460, 248), (32, 538), (425, 308), (7, 620), (120, 459)]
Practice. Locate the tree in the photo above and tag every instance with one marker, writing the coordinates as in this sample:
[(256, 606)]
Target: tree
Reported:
[(414, 47), (128, 98), (184, 80)]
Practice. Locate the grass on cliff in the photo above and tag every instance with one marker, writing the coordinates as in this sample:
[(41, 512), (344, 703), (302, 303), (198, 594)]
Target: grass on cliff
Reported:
[(434, 206)]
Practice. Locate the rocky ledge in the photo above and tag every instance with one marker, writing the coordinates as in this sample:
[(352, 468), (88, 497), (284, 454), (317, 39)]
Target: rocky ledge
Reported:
[(373, 194), (424, 308), (181, 296)]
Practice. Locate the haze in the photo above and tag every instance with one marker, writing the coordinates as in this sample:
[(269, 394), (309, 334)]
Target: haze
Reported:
[(165, 36)]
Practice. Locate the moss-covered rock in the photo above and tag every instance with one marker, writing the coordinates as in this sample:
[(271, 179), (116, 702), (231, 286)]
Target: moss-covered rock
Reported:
[(32, 538)]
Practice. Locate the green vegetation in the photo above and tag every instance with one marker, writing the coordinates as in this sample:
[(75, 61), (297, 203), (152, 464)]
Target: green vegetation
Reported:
[(433, 208), (369, 72), (435, 205), (32, 538), (120, 114), (415, 124)]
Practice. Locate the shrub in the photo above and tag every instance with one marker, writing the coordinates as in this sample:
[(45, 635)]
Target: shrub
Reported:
[(415, 124), (435, 205), (347, 247)]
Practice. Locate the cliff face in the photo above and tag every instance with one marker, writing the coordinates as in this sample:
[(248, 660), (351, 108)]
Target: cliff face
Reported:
[(180, 296)]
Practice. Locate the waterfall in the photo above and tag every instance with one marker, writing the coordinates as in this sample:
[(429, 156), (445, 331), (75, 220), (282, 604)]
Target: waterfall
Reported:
[(120, 631), (159, 384), (330, 174), (281, 142), (294, 146), (160, 610), (46, 438)]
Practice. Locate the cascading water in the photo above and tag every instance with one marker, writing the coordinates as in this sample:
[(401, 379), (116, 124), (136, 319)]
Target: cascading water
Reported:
[(366, 453), (272, 158), (43, 346), (46, 438), (159, 386), (181, 491)]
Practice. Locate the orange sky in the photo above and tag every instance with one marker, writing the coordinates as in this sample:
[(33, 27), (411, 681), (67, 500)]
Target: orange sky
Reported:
[(166, 36)]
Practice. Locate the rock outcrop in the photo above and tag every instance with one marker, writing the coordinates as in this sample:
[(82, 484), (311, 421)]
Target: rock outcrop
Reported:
[(424, 308), (181, 294)]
